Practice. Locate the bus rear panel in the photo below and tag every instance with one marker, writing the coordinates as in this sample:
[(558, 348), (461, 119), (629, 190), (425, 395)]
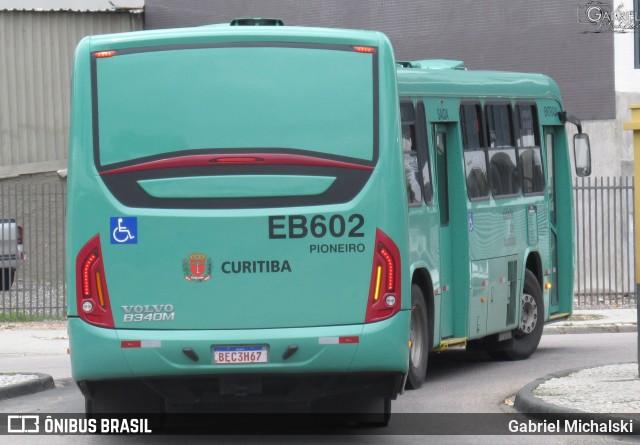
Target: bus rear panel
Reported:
[(225, 233)]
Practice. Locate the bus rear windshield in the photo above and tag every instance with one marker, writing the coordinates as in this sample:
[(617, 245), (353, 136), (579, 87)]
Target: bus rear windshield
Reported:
[(155, 101)]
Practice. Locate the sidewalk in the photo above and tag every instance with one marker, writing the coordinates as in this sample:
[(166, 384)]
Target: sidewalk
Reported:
[(609, 392), (605, 389), (23, 349), (595, 322), (605, 392)]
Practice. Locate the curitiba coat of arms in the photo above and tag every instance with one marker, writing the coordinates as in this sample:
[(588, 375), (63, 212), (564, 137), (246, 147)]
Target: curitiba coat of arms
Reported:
[(197, 267)]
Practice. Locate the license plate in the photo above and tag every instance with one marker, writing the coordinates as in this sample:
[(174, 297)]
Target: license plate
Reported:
[(236, 355)]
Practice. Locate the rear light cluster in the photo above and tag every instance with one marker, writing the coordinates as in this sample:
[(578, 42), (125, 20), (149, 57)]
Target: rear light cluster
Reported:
[(365, 49), (92, 297), (237, 160), (104, 54), (19, 235), (384, 293)]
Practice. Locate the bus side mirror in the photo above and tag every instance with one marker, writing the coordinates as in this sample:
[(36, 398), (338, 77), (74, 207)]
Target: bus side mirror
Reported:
[(582, 154)]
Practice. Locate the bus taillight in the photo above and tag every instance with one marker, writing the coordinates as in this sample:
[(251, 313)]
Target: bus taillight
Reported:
[(384, 291), (104, 54), (365, 49), (92, 297)]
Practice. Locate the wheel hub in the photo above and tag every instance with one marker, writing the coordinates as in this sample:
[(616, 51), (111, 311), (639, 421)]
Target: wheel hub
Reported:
[(529, 318), (416, 337)]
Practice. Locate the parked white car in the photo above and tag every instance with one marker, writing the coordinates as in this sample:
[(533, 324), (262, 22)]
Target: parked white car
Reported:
[(12, 254)]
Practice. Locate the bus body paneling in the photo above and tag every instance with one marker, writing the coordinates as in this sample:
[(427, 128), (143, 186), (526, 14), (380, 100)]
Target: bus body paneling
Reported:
[(278, 214), (477, 257), (226, 214)]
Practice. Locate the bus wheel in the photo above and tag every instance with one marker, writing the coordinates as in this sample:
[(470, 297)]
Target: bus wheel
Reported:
[(527, 335), (419, 339)]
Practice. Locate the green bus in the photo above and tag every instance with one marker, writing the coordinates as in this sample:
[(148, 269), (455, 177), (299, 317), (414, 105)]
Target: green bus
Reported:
[(228, 241), (490, 207), (267, 215)]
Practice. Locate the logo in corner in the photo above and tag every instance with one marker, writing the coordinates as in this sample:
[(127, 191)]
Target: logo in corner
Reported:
[(197, 267)]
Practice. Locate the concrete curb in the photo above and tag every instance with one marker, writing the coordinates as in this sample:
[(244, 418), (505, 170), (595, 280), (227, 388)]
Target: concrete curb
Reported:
[(528, 403), (590, 328), (42, 383)]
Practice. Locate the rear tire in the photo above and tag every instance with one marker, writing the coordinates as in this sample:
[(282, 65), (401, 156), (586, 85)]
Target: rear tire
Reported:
[(527, 336), (420, 338), (360, 410), (122, 398), (386, 414), (375, 413)]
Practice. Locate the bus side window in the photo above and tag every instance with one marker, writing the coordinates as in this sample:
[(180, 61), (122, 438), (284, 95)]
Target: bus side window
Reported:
[(423, 152), (443, 175), (410, 153), (503, 163), (529, 152), (475, 159)]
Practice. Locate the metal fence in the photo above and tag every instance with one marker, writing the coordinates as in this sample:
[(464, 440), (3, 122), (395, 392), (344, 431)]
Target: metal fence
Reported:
[(39, 289), (605, 254), (605, 270)]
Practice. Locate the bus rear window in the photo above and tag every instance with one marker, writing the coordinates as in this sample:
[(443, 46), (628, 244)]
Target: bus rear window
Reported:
[(154, 101)]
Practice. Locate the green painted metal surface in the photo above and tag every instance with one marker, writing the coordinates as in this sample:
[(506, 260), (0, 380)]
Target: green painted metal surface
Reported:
[(200, 276), (488, 235), (281, 273), (236, 186)]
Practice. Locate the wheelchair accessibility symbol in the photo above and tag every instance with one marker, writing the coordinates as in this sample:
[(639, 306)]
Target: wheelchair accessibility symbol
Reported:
[(124, 230)]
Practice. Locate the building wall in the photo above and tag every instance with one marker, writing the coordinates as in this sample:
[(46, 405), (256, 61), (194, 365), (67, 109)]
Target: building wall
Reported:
[(627, 85), (501, 35), (596, 78), (627, 77), (36, 54), (612, 146)]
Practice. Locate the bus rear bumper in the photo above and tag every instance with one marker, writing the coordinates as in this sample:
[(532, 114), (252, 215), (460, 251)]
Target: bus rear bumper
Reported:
[(303, 393), (339, 356)]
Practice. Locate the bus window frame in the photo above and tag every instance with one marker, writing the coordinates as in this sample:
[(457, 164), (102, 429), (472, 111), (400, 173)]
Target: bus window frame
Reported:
[(512, 146), (414, 148), (483, 142), (538, 139), (424, 158), (442, 165)]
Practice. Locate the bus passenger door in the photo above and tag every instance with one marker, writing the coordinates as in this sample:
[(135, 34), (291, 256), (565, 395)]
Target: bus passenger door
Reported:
[(550, 137), (442, 178), (424, 222)]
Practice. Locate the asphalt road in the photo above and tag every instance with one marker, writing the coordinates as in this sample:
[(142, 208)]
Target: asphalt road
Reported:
[(458, 382)]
